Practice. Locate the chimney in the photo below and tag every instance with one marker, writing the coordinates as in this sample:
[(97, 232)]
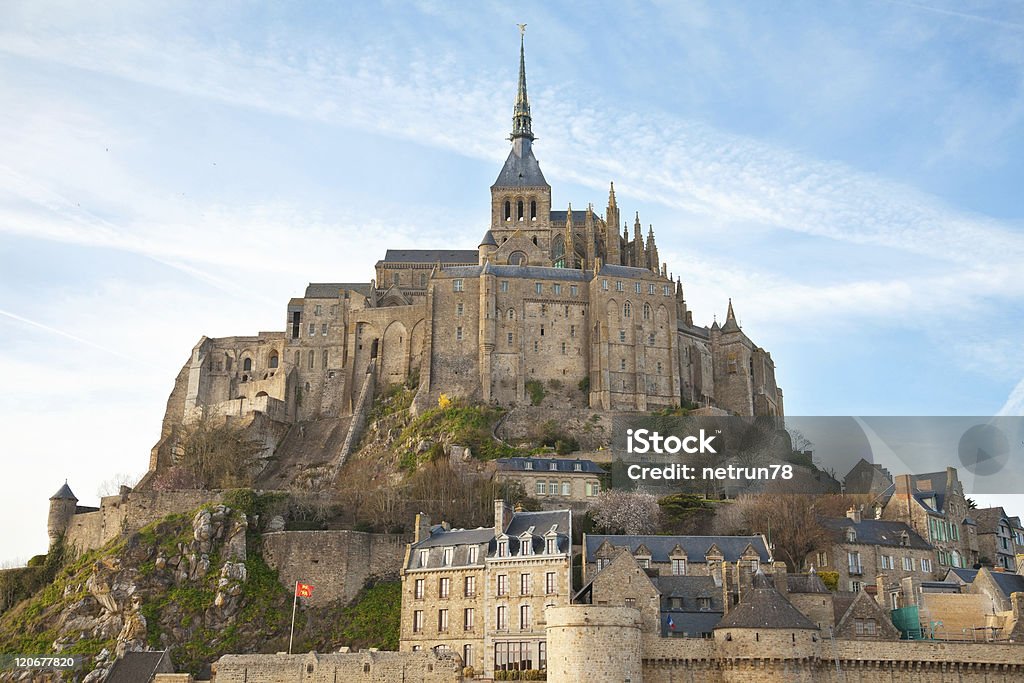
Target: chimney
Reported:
[(854, 514), (779, 573), (502, 516), (903, 484), (1017, 605), (422, 532)]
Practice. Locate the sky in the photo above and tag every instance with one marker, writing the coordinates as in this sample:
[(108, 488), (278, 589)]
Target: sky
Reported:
[(848, 173)]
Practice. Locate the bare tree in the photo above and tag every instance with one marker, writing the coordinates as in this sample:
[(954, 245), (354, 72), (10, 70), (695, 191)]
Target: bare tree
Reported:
[(789, 520), (112, 486), (626, 512)]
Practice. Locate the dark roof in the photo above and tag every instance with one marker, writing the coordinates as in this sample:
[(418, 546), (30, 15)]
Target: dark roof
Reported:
[(466, 256), (135, 667), (841, 603), (989, 518), (805, 583), (626, 271), (695, 547), (64, 493), (763, 607), (488, 240), (541, 521), (874, 532), (521, 171), (689, 588), (1008, 583), (544, 465), (694, 330), (691, 623), (439, 537), (526, 272), (965, 575), (331, 290), (558, 218)]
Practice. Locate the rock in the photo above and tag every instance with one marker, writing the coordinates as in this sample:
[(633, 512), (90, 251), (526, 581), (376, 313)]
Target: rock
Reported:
[(276, 523), (200, 568), (424, 445), (235, 545), (98, 585), (160, 562)]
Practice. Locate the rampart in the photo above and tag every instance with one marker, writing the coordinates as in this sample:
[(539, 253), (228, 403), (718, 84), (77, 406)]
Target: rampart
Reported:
[(351, 667), (336, 563)]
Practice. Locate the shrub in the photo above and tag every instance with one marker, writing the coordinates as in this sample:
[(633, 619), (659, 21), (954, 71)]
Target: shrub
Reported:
[(584, 385), (536, 391)]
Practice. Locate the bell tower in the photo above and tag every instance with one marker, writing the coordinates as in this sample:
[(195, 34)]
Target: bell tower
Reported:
[(521, 197)]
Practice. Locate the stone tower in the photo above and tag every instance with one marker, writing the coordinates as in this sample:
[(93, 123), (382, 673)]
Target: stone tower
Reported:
[(62, 509)]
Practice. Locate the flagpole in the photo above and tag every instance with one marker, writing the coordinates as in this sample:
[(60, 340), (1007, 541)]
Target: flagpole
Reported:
[(295, 602)]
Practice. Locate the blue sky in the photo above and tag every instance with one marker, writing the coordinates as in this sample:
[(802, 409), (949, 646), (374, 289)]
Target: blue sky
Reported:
[(848, 172)]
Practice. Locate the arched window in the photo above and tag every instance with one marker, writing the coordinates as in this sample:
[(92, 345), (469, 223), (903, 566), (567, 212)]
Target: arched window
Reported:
[(273, 359), (312, 359), (519, 210), (517, 258), (325, 359), (533, 211), (647, 311), (423, 279), (535, 239), (247, 364), (511, 314), (508, 210), (627, 310)]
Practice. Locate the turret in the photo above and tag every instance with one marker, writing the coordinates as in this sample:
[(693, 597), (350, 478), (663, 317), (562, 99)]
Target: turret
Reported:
[(611, 217), (639, 259), (653, 262), (569, 258), (62, 509), (488, 245)]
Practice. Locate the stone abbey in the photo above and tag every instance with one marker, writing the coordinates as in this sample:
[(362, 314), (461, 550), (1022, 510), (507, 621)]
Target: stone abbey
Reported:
[(558, 297)]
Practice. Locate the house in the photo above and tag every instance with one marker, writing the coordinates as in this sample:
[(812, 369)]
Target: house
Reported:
[(1000, 537), (553, 480), (675, 555)]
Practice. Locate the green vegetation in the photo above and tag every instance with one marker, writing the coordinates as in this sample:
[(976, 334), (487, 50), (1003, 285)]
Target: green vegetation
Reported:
[(584, 385), (457, 424), (551, 435), (371, 619), (536, 391), (830, 579)]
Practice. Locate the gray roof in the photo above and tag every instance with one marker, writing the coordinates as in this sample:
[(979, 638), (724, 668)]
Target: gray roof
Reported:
[(763, 607), (544, 465), (805, 583), (521, 171), (542, 521), (64, 493), (874, 532), (691, 623), (462, 539), (331, 290), (1006, 581), (627, 271), (439, 537), (558, 218), (989, 518), (466, 256), (488, 240), (695, 547), (526, 272), (689, 589), (137, 667)]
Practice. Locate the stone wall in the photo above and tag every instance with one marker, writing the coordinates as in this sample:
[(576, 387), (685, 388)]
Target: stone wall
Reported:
[(351, 667), (130, 512), (336, 563), (588, 643)]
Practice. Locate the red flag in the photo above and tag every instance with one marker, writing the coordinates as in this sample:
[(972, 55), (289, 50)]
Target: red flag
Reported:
[(303, 590)]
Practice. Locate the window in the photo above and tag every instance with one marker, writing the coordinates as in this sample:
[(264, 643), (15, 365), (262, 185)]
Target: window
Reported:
[(551, 582), (619, 287), (566, 488), (418, 594), (551, 546), (644, 562), (926, 565), (622, 336), (853, 561), (273, 360), (317, 309), (886, 561), (631, 602), (503, 549), (442, 620), (458, 309), (536, 346), (543, 310), (542, 328), (666, 290), (538, 287), (592, 488), (572, 331), (650, 289), (502, 618), (622, 366), (552, 488), (424, 554), (558, 288), (417, 621), (524, 584), (526, 546), (604, 285), (577, 467), (470, 586), (423, 279), (502, 584), (457, 285), (312, 329), (509, 339), (323, 329), (908, 564), (542, 487), (323, 362), (659, 367), (851, 536), (524, 616), (467, 619), (458, 334), (511, 314), (679, 567), (650, 339), (627, 310), (503, 286), (574, 290), (601, 564), (855, 586), (865, 627), (312, 358), (443, 586), (638, 287), (647, 311), (822, 558)]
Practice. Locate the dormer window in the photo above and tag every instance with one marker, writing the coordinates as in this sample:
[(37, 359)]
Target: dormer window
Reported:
[(471, 556), (851, 536), (526, 546), (503, 549), (578, 467), (904, 538), (551, 546), (447, 557), (527, 465), (553, 467), (424, 557)]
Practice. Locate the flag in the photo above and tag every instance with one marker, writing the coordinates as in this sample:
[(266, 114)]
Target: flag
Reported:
[(303, 590), (671, 624)]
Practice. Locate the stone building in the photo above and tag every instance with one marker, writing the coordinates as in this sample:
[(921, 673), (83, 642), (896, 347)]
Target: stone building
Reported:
[(676, 555), (553, 480), (481, 593), (934, 505), (861, 550), (557, 296), (1000, 537)]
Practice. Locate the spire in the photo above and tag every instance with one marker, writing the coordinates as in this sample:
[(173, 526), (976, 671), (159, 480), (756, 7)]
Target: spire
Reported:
[(730, 320), (611, 195), (730, 314), (521, 121)]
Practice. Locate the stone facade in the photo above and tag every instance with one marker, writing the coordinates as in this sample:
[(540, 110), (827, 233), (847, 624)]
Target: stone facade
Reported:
[(676, 555), (354, 667), (1000, 537), (555, 297), (481, 593), (553, 481)]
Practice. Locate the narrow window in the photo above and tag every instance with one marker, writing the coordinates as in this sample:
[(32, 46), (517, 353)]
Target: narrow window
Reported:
[(273, 360), (538, 287), (247, 365), (533, 211), (312, 359), (508, 210), (457, 285), (510, 339), (627, 310), (504, 285), (325, 359), (519, 210)]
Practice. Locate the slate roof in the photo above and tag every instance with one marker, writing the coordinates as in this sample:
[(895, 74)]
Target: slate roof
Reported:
[(689, 589), (544, 465), (626, 271), (439, 537), (1007, 582), (805, 583), (521, 171), (135, 667), (763, 607), (466, 256), (462, 539), (989, 518), (331, 290), (695, 547), (64, 493), (558, 218), (488, 240), (874, 532)]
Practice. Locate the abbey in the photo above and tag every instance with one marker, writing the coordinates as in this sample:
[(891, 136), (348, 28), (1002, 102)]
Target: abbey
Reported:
[(567, 298)]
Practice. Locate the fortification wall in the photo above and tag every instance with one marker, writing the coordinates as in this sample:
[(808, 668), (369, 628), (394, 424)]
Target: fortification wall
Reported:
[(337, 563), (130, 512), (354, 667), (589, 643)]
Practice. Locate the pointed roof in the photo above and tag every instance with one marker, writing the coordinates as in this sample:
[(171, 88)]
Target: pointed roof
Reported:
[(64, 493), (764, 607), (521, 121), (611, 194), (488, 240), (730, 320), (521, 169)]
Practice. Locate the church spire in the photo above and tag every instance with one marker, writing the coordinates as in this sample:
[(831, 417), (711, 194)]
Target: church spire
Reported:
[(521, 122)]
